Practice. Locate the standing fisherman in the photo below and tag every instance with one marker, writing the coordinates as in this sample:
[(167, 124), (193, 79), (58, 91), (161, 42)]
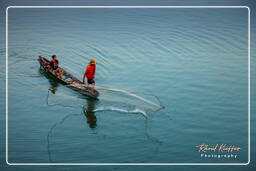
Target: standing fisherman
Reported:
[(90, 74)]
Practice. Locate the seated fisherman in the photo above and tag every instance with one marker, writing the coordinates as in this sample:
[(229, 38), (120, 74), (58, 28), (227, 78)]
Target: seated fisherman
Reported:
[(54, 65)]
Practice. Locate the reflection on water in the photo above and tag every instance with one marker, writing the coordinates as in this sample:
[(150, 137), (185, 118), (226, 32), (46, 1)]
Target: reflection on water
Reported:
[(53, 83), (89, 113)]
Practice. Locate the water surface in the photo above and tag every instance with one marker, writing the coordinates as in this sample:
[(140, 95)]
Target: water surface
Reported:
[(194, 62)]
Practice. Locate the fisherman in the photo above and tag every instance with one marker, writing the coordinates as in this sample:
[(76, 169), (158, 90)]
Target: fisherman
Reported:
[(90, 74), (54, 65)]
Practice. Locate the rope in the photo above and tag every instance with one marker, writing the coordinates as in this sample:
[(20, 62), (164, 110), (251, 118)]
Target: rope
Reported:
[(51, 129), (57, 104)]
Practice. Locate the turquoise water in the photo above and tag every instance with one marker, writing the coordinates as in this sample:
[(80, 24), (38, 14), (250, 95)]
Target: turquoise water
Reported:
[(169, 79)]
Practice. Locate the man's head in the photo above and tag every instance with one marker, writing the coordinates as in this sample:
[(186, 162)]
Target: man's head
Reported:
[(92, 61), (54, 56)]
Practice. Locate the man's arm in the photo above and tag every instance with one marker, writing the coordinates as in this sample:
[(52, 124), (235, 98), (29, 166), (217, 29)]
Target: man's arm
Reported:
[(85, 74), (57, 63), (84, 77), (93, 70)]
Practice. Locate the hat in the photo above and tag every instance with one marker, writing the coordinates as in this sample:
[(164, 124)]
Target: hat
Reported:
[(92, 62)]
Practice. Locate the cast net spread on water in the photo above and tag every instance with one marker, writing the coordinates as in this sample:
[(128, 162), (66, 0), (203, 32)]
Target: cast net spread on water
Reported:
[(147, 102), (111, 99)]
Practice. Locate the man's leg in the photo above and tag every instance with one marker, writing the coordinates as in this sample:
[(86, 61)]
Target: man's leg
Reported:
[(86, 87), (93, 85), (56, 72), (59, 72)]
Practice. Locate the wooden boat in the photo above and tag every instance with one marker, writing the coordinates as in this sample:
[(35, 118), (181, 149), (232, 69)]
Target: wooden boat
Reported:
[(68, 79)]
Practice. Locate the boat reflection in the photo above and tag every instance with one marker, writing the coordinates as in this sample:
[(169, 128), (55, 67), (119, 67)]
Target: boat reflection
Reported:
[(52, 81)]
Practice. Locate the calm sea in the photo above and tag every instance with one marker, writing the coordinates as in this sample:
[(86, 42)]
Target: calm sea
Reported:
[(170, 79)]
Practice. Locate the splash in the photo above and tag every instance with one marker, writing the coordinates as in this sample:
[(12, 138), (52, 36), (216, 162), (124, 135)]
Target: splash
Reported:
[(132, 98), (116, 109), (113, 99)]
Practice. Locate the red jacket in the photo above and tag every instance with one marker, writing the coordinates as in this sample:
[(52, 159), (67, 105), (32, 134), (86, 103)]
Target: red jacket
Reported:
[(90, 71)]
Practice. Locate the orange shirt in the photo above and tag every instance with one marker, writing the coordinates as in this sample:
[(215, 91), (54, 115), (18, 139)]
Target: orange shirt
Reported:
[(90, 71)]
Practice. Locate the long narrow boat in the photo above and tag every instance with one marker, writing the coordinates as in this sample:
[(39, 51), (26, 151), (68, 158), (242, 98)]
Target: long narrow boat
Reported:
[(68, 79)]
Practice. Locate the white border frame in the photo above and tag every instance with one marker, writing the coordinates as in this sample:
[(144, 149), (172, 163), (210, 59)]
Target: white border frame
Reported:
[(249, 80)]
